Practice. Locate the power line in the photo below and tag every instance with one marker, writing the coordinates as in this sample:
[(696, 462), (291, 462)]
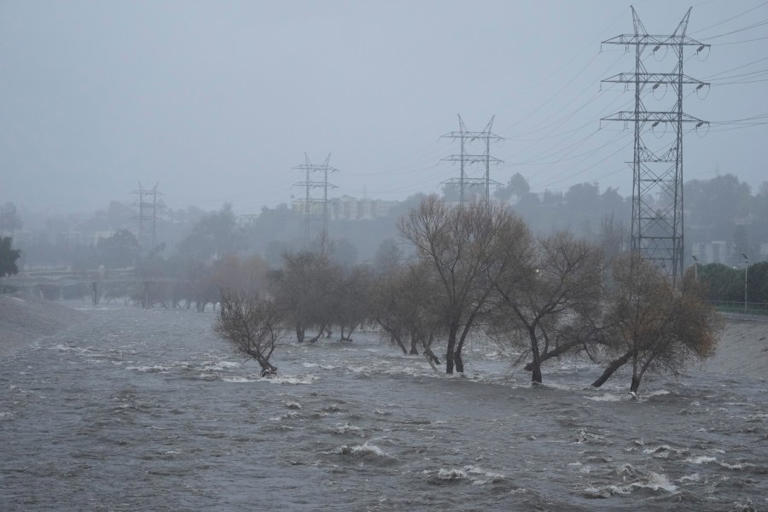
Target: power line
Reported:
[(588, 168), (738, 30), (723, 22), (751, 63), (743, 41), (741, 75)]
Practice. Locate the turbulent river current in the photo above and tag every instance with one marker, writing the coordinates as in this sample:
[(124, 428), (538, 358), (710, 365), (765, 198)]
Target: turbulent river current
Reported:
[(148, 410)]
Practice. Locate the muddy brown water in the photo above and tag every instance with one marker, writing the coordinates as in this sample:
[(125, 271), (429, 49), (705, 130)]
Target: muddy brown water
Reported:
[(148, 410)]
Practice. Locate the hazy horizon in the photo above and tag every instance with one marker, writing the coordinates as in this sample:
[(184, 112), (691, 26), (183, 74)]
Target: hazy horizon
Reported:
[(217, 102)]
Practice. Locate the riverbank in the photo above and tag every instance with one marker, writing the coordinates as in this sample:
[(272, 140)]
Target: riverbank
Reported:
[(24, 319), (743, 347)]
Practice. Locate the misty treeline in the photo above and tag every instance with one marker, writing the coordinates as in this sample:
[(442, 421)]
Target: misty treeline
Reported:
[(717, 209), (472, 272)]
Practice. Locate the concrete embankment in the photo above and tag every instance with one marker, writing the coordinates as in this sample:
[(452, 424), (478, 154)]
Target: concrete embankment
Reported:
[(743, 347), (24, 319)]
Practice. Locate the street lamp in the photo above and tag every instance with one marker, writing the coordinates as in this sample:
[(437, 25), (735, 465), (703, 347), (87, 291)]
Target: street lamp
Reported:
[(746, 274), (695, 268)]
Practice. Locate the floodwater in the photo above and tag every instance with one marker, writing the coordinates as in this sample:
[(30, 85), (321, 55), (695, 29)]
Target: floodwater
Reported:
[(148, 410)]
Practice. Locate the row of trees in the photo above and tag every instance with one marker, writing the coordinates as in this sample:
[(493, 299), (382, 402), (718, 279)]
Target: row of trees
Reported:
[(478, 270), (726, 284)]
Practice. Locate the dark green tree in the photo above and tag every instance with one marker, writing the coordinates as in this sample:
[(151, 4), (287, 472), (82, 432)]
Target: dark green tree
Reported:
[(8, 257)]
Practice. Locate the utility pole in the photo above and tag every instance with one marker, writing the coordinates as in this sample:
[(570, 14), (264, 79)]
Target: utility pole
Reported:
[(309, 184), (695, 268), (148, 204), (468, 159), (746, 280), (657, 170)]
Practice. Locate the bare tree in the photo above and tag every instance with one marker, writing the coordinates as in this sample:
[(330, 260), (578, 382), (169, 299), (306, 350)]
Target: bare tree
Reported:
[(653, 325), (468, 247), (552, 295), (304, 292), (351, 300), (404, 306), (252, 325)]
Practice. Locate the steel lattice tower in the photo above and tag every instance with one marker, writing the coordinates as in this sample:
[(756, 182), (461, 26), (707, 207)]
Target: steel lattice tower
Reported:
[(310, 184), (148, 205), (657, 170), (468, 159)]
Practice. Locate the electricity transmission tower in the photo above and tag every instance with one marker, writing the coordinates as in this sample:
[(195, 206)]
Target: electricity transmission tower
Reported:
[(468, 159), (148, 205), (314, 207), (657, 167)]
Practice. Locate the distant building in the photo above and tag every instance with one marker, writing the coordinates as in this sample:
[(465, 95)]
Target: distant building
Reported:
[(347, 208), (713, 252)]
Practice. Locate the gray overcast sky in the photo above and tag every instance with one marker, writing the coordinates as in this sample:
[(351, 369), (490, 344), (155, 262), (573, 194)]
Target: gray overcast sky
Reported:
[(217, 100)]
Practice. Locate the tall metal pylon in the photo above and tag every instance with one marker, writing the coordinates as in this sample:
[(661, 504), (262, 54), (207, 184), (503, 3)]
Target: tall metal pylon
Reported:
[(148, 205), (658, 232), (311, 203), (468, 159)]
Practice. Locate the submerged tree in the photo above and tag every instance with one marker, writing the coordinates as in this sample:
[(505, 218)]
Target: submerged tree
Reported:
[(653, 325), (252, 325), (304, 291), (404, 306), (552, 296), (468, 247), (351, 300)]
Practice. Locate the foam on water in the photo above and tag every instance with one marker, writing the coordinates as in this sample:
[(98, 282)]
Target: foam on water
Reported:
[(652, 480), (451, 474), (364, 450), (157, 368), (664, 451), (608, 397), (289, 379), (344, 428), (238, 379)]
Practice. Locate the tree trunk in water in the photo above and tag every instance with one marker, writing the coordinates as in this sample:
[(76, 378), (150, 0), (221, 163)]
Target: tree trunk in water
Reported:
[(449, 353), (399, 342), (458, 360), (299, 334), (635, 384), (267, 368), (536, 363), (553, 353), (319, 333), (413, 350), (431, 356), (615, 365)]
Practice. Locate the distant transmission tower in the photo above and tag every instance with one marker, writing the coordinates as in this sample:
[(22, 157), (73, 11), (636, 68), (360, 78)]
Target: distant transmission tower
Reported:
[(149, 205), (313, 204), (468, 158), (657, 170)]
